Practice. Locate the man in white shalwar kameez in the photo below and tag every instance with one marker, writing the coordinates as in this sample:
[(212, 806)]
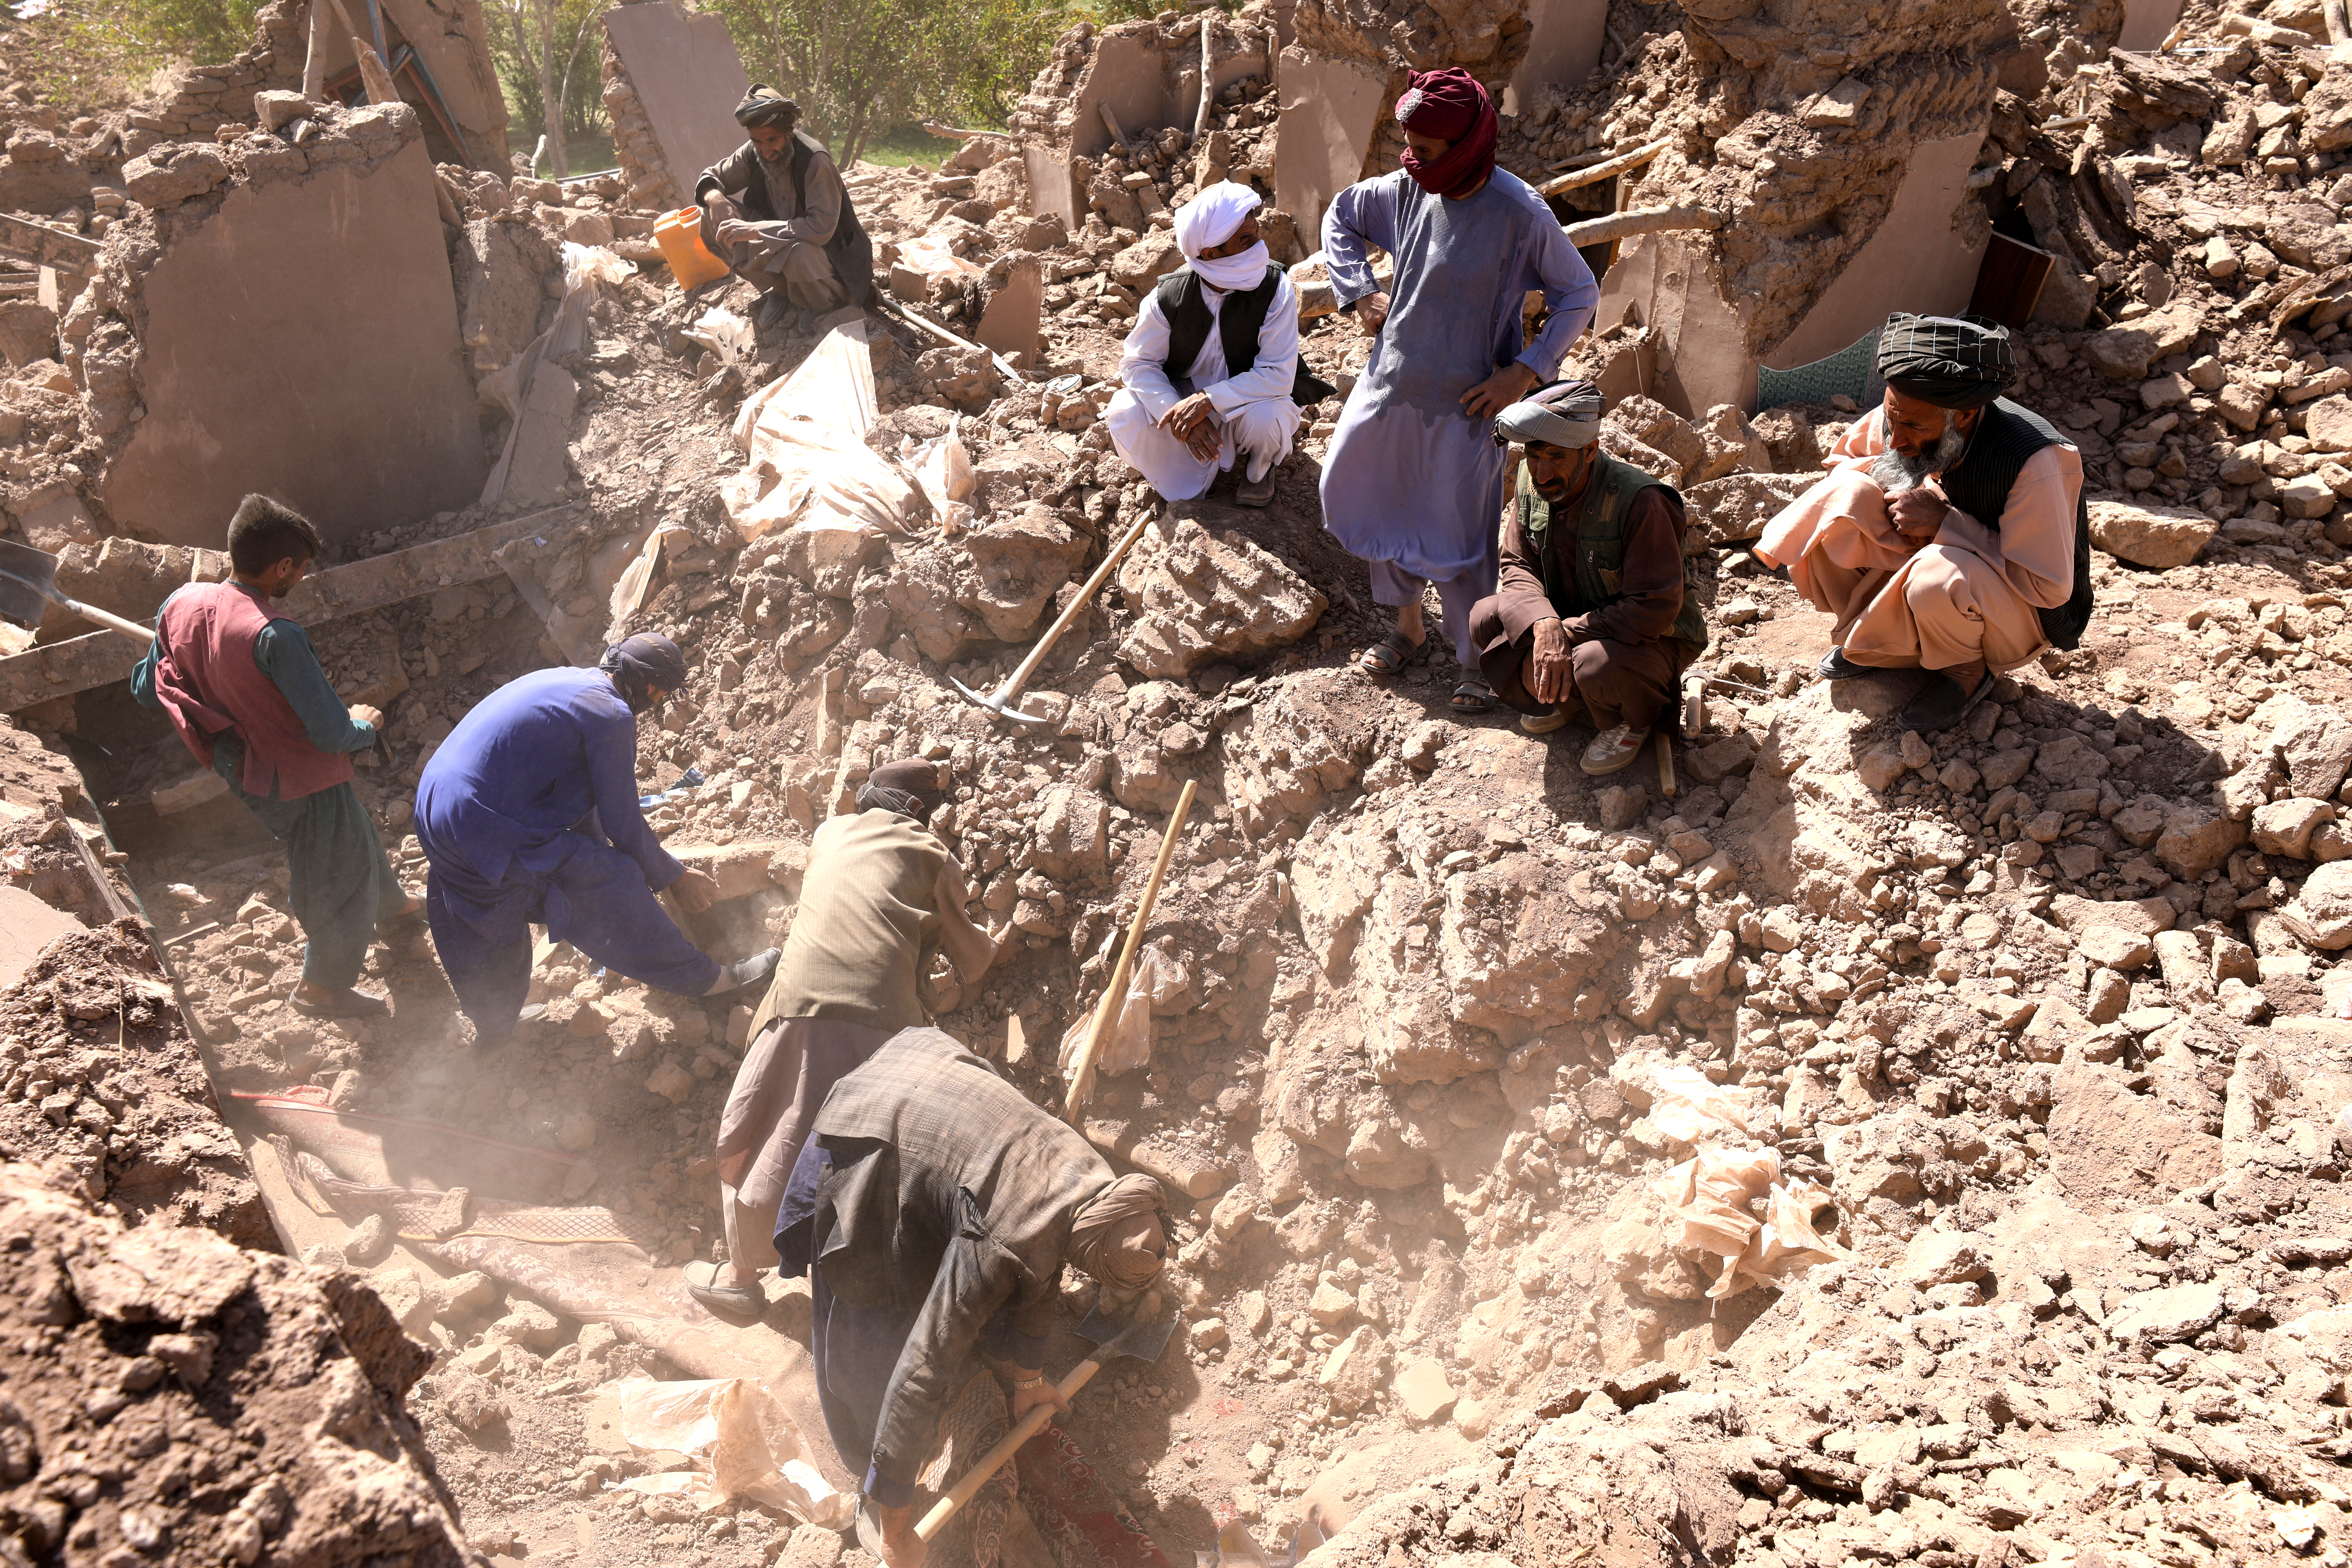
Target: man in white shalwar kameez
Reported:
[(1192, 406)]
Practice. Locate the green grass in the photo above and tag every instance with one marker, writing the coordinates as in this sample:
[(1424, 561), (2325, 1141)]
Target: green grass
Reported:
[(904, 145), (587, 152)]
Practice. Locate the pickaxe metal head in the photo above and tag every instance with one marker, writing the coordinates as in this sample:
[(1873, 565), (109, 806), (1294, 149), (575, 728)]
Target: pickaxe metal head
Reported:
[(1141, 1340), (998, 705)]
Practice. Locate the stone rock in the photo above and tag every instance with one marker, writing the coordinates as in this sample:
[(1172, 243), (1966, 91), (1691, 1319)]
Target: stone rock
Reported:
[(1735, 508), (1422, 1390), (1144, 262), (2328, 424), (531, 1326), (469, 1400), (1881, 769), (1622, 806), (2124, 352), (1352, 1373), (173, 171), (672, 1082), (2315, 744), (2154, 536), (28, 332), (1205, 596), (1330, 1306), (1073, 833), (1021, 563), (2195, 839), (1943, 1258), (2285, 827), (2111, 947), (2070, 762), (1720, 760), (2321, 913), (2166, 1316)]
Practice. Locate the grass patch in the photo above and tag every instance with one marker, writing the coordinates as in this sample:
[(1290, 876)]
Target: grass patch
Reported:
[(908, 144)]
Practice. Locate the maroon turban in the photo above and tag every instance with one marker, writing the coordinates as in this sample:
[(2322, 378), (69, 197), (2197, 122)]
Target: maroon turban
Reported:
[(1449, 103)]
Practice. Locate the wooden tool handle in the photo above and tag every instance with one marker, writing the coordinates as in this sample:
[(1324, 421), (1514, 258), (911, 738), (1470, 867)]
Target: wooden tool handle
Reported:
[(1082, 1071), (1028, 1427), (109, 620), (1078, 606)]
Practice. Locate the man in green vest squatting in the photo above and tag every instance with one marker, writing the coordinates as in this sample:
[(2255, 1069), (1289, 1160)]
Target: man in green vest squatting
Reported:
[(881, 895), (1591, 607), (776, 210)]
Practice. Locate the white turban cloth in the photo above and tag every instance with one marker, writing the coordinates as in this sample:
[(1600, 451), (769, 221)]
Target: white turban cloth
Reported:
[(1210, 218)]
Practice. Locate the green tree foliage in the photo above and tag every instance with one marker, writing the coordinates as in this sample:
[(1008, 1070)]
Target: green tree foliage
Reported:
[(857, 66), (102, 51), (543, 48)]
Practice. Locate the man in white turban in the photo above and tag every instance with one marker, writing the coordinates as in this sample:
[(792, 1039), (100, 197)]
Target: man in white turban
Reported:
[(1210, 367)]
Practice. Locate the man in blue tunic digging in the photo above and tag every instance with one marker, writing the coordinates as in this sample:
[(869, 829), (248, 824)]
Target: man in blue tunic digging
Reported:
[(529, 814), (1413, 480)]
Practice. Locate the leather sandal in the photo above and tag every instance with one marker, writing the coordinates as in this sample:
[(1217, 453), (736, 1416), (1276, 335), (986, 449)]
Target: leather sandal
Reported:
[(1387, 657), (1254, 493), (1471, 697)]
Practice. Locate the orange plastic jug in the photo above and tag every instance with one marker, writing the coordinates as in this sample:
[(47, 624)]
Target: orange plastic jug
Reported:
[(680, 235)]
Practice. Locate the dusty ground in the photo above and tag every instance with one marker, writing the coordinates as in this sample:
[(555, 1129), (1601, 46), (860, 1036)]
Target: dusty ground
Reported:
[(2047, 1010)]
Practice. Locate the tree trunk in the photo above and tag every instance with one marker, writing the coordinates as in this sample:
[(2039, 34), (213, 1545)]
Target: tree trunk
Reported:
[(550, 107)]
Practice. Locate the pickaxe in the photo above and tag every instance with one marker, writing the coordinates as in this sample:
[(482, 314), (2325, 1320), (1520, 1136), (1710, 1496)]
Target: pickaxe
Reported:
[(1144, 1341), (1002, 703)]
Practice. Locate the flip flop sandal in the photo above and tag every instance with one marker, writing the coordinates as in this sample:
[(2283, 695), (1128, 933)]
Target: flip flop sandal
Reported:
[(737, 1300), (1473, 696), (1387, 657)]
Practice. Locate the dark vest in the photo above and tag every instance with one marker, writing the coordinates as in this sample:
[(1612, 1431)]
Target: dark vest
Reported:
[(851, 250), (1596, 573), (2007, 436), (209, 686), (1183, 301)]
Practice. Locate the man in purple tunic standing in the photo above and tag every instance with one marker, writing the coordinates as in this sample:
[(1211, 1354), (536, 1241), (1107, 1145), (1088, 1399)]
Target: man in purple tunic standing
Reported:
[(1414, 481)]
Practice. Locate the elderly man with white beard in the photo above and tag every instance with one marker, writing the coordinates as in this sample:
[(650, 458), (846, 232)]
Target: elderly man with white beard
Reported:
[(1210, 369), (1950, 533)]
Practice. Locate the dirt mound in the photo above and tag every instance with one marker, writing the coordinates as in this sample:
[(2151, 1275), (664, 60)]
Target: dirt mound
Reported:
[(173, 1397)]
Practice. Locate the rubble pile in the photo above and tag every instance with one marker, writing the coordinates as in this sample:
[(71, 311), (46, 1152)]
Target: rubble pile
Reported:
[(174, 1397), (2035, 1028)]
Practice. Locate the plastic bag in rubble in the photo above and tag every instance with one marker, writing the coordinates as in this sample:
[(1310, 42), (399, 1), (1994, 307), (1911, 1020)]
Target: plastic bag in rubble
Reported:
[(723, 333), (1687, 1109), (943, 467), (806, 463), (1711, 1203), (739, 1442), (1154, 979)]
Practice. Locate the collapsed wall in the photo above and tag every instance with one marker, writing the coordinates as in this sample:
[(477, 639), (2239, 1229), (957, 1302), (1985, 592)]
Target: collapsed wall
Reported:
[(373, 426), (671, 83)]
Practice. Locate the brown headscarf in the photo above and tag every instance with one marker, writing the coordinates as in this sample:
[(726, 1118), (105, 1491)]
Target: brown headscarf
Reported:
[(1120, 1236)]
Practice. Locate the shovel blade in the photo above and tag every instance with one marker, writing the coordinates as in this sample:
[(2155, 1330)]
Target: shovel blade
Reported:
[(27, 578), (1141, 1340), (1237, 1548)]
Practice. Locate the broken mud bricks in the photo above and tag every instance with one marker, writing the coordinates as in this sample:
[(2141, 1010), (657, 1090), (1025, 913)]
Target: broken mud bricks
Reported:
[(1202, 595)]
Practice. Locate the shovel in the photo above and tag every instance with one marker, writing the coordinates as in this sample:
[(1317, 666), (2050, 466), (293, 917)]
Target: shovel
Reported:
[(1144, 1341), (1001, 703), (28, 577)]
